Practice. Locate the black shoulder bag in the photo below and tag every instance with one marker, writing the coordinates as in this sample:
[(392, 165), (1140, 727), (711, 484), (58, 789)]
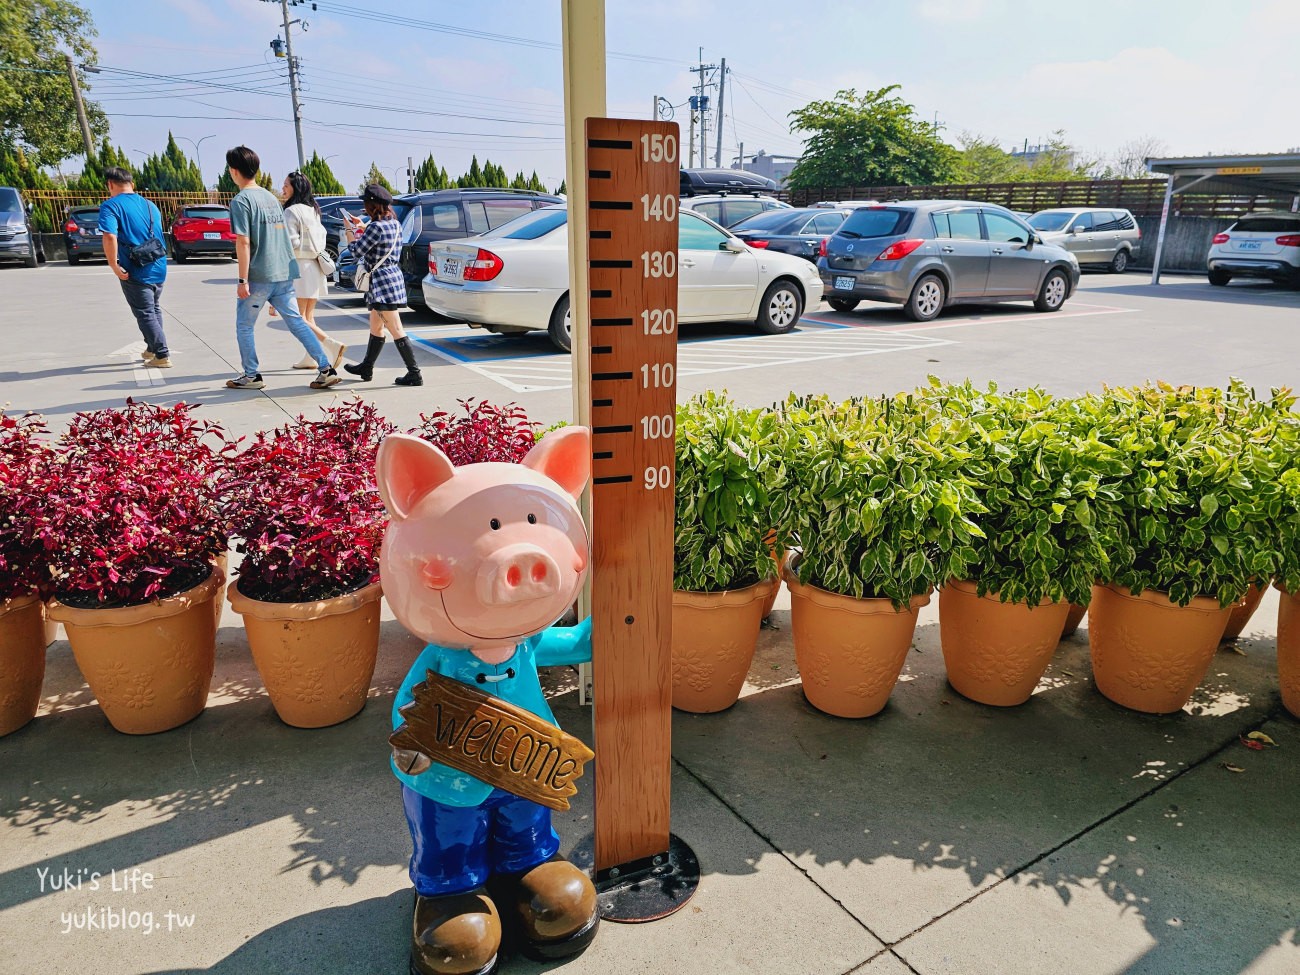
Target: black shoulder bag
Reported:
[(151, 250)]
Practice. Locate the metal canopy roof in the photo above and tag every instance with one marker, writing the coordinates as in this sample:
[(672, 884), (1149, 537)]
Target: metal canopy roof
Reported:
[(1273, 173)]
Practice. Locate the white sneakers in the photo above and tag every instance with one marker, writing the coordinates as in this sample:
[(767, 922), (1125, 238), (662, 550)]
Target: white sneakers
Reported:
[(332, 349)]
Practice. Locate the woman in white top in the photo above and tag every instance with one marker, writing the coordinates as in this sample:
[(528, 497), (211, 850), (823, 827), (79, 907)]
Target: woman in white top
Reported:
[(307, 235)]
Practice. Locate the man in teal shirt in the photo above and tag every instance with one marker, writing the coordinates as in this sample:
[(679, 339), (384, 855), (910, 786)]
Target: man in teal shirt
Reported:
[(266, 272)]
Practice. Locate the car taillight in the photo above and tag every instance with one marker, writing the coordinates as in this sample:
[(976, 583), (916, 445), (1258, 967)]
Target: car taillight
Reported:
[(1289, 240), (182, 222), (1221, 239), (484, 267), (900, 249), (71, 227), (760, 244), (821, 248), (433, 264)]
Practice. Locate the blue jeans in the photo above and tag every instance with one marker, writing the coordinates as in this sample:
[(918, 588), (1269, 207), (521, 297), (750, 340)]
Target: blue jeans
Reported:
[(458, 847), (144, 301), (279, 295)]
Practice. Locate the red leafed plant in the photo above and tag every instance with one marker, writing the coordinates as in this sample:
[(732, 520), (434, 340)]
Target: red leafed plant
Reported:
[(486, 432), (24, 453), (130, 509), (302, 500)]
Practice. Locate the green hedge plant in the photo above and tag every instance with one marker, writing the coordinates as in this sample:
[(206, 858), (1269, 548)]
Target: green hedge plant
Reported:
[(877, 500), (728, 465)]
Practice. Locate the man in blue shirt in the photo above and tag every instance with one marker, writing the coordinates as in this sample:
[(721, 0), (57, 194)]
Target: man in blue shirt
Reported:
[(129, 220)]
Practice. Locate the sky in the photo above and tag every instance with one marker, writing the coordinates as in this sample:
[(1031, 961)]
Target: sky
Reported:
[(485, 77)]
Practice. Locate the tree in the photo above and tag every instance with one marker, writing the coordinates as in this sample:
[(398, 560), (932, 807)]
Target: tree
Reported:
[(535, 183), (1129, 160), (873, 139), (16, 170), (108, 156), (430, 176), (1058, 160), (323, 181), (264, 180), (562, 189), (225, 184), (36, 107), (472, 178), (982, 160), (171, 172), (375, 175)]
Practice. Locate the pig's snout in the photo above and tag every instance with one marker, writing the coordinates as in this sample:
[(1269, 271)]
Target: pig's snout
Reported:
[(517, 573)]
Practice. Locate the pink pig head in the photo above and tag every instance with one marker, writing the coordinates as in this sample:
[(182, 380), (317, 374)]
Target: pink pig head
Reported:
[(482, 556)]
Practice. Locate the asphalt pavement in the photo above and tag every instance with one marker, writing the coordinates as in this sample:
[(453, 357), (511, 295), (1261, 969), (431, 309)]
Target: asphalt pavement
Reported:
[(941, 837)]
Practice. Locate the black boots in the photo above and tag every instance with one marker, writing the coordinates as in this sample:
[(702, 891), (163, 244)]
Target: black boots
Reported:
[(364, 370), (412, 377)]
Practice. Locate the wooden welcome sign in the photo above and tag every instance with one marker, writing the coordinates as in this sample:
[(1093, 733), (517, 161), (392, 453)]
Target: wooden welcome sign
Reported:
[(493, 740)]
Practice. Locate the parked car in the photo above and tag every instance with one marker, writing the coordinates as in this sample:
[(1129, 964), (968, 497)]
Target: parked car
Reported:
[(696, 182), (439, 215), (843, 204), (81, 234), (1107, 238), (19, 239), (798, 230), (201, 229), (928, 254), (333, 219), (1258, 245), (516, 279), (728, 209)]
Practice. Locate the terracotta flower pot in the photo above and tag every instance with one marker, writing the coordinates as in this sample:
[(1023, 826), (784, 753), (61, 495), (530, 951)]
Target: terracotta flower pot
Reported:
[(1149, 653), (714, 635), (849, 651), (996, 652), (22, 660), (1072, 620), (149, 666), (1242, 610), (1288, 649), (316, 659)]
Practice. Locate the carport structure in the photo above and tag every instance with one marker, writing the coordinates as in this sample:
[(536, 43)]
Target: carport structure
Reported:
[(1271, 179)]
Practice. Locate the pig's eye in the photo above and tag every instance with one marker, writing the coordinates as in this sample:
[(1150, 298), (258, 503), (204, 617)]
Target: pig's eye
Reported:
[(495, 523), (532, 519)]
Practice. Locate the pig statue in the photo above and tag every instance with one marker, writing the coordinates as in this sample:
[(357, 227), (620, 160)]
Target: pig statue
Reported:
[(480, 561)]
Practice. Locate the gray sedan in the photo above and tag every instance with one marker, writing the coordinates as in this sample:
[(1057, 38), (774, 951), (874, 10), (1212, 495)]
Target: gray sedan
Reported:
[(928, 254)]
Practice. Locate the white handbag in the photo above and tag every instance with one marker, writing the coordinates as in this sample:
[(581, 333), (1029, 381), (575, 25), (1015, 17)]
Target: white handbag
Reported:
[(361, 279), (326, 264)]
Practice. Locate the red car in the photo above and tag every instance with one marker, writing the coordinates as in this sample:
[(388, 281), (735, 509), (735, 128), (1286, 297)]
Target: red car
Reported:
[(201, 229)]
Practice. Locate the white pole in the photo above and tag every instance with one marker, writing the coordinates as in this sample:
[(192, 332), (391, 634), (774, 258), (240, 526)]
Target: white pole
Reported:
[(1164, 222)]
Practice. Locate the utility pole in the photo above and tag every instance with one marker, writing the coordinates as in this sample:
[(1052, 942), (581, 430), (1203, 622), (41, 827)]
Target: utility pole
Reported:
[(702, 106), (81, 109), (293, 73), (410, 175), (742, 155), (722, 91)]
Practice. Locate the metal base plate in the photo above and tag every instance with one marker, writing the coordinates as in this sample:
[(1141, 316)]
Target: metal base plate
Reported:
[(644, 890)]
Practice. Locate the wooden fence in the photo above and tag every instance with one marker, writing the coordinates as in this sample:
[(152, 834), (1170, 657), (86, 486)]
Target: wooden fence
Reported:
[(50, 207), (1144, 197)]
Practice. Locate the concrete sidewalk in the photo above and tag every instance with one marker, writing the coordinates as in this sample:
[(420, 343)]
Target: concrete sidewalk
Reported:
[(1064, 836)]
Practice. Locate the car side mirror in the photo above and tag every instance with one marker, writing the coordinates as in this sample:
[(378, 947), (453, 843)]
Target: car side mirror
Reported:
[(27, 206), (733, 245), (1034, 239), (1075, 230)]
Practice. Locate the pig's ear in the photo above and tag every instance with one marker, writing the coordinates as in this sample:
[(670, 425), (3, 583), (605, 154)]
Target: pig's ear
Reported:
[(563, 455), (407, 469)]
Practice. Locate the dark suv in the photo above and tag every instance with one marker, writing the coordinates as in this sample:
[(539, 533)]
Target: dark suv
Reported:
[(447, 214), (332, 219)]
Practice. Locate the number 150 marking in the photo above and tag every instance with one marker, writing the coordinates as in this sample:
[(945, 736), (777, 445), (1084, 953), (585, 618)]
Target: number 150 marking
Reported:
[(659, 148)]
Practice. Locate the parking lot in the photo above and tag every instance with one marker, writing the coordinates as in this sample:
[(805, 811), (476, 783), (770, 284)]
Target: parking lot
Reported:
[(71, 344)]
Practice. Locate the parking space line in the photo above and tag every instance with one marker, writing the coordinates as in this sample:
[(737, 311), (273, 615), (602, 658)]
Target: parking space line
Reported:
[(982, 320)]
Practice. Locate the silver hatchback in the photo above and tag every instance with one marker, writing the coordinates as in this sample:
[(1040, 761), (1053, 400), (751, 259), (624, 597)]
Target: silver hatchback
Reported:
[(928, 254)]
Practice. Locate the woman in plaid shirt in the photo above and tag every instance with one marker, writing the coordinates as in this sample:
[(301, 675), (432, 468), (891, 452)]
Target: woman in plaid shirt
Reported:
[(377, 249)]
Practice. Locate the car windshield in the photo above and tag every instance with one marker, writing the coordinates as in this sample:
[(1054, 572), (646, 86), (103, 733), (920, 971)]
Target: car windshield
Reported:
[(1268, 225), (1050, 221), (9, 201), (530, 226), (773, 222), (876, 222)]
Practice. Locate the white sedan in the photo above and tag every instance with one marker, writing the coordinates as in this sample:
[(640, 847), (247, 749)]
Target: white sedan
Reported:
[(516, 278)]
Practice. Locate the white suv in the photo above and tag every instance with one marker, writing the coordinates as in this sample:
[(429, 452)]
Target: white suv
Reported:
[(1258, 245), (728, 209)]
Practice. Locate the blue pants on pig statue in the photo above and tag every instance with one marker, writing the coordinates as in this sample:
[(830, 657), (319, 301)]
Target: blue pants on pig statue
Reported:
[(484, 857)]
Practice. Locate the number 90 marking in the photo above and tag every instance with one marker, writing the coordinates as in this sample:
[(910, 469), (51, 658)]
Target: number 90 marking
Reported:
[(658, 478)]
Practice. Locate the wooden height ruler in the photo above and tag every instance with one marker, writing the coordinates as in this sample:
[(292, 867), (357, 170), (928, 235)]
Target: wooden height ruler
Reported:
[(632, 185)]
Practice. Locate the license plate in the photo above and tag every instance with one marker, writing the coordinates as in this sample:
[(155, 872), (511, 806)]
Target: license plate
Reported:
[(216, 236), (450, 268), (844, 283), (97, 232), (1248, 245)]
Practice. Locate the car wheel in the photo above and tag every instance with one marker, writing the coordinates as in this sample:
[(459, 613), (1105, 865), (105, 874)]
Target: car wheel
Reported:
[(1119, 263), (844, 304), (73, 259), (331, 252), (1053, 293), (32, 259), (1219, 278), (179, 256), (560, 327), (780, 309), (926, 300)]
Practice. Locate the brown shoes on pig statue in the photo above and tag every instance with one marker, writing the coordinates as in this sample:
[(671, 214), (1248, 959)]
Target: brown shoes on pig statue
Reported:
[(547, 913)]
